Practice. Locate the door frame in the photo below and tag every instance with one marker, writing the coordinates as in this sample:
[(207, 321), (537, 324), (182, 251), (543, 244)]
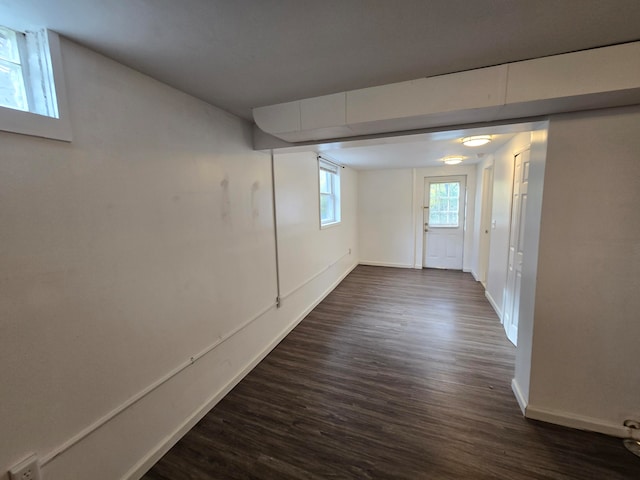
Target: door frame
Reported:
[(419, 175), (486, 214), (463, 199)]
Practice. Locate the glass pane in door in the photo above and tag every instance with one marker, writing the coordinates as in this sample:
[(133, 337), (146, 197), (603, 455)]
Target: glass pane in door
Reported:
[(444, 204)]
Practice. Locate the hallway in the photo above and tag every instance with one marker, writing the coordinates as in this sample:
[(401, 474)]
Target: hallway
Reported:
[(398, 373)]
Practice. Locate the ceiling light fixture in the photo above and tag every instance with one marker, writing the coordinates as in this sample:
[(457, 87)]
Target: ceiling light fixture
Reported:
[(453, 160), (476, 141)]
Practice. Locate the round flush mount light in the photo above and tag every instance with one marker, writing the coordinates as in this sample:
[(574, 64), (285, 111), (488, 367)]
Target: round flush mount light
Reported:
[(452, 160), (476, 141)]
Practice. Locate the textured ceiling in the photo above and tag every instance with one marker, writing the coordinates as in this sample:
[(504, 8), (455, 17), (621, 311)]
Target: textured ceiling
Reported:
[(239, 54)]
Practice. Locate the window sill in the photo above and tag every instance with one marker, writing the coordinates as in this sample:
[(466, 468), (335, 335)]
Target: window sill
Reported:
[(28, 123), (329, 225)]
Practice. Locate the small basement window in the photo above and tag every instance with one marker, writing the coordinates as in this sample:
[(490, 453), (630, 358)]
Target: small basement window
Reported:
[(32, 95), (13, 93), (329, 175)]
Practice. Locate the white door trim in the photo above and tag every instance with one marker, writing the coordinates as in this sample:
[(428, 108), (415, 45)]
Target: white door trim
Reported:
[(418, 191), (486, 213), (463, 179)]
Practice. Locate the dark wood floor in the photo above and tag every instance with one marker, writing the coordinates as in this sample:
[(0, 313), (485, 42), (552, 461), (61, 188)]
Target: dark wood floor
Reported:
[(397, 374)]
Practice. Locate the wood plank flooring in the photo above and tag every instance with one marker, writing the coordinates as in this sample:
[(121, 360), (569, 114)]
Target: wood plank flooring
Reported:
[(397, 374)]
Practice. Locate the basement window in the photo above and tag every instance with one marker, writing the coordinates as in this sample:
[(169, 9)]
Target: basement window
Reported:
[(329, 193), (32, 94)]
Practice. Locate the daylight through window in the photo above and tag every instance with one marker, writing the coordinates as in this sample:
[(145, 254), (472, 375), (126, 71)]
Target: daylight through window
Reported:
[(329, 193), (26, 73), (444, 204), (13, 93)]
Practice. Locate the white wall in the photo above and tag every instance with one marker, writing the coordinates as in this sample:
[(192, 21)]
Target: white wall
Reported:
[(385, 217), (390, 214), (304, 249), (138, 272), (501, 218), (584, 365)]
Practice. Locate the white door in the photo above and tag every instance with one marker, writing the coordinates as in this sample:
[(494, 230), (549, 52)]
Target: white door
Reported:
[(516, 245), (443, 219)]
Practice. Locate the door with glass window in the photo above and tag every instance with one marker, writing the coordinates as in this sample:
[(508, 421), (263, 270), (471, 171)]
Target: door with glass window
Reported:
[(443, 222)]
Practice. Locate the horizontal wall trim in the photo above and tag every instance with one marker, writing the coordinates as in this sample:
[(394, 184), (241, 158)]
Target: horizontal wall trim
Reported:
[(522, 402), (146, 391), (577, 421), (493, 304), (385, 264), (313, 277), (153, 456)]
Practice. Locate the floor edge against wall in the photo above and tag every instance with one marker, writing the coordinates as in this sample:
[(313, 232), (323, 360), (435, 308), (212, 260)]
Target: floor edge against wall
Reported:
[(493, 304), (385, 264), (170, 440), (522, 402), (578, 422)]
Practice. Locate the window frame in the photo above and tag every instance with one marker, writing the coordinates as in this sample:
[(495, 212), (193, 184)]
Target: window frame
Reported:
[(19, 62), (41, 57), (459, 199), (334, 194)]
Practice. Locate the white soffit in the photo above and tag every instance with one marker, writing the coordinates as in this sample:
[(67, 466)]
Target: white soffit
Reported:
[(598, 78)]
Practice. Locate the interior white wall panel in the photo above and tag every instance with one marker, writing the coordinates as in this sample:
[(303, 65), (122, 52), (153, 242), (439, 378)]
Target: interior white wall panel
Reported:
[(390, 214), (138, 269), (303, 248), (385, 217), (586, 308)]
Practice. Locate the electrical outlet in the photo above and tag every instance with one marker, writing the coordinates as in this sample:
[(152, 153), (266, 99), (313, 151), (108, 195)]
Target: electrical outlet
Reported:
[(28, 469)]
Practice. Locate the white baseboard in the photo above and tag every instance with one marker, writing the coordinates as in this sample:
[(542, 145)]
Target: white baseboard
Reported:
[(522, 402), (475, 275), (579, 422), (385, 264), (569, 419), (170, 440), (418, 266), (493, 304)]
